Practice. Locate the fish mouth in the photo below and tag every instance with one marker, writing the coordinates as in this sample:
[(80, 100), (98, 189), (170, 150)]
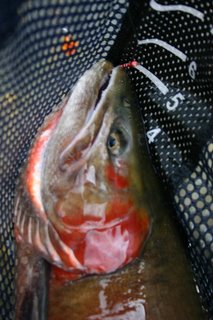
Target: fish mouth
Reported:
[(73, 154), (103, 86), (102, 90), (102, 83)]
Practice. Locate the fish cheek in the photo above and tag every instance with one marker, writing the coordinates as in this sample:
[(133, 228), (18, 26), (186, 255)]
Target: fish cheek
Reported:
[(56, 193), (116, 176)]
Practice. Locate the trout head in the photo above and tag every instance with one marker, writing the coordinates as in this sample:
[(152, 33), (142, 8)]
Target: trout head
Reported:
[(90, 190)]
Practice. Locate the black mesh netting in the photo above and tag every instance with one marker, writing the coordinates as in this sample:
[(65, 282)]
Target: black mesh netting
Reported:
[(47, 44)]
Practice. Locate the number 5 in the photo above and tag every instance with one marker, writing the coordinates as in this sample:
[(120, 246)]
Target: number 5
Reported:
[(176, 101)]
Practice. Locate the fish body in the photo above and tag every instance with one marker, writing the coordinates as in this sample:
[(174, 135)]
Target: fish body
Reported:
[(81, 206), (157, 286)]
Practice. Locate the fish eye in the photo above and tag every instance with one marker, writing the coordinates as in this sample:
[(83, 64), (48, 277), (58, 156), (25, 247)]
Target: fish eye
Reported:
[(116, 143)]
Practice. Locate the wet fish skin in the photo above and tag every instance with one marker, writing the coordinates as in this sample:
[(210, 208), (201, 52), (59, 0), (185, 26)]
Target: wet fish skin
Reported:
[(66, 143)]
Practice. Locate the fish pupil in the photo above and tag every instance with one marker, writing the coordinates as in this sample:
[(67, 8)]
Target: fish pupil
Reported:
[(111, 142)]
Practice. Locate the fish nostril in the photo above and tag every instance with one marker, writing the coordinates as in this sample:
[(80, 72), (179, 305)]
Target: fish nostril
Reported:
[(72, 155), (66, 160)]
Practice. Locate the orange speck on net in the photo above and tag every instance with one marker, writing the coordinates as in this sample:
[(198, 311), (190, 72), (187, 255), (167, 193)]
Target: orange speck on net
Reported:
[(69, 46)]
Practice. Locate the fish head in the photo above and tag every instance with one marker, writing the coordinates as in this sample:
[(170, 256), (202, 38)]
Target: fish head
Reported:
[(90, 182)]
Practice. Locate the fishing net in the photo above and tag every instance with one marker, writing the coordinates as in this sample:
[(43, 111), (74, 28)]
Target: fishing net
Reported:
[(47, 44)]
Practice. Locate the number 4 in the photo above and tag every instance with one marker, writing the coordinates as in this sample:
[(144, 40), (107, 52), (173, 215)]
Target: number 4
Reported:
[(151, 134)]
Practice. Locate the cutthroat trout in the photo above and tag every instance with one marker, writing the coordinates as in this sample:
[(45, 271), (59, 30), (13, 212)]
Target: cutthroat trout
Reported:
[(81, 202), (84, 207)]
